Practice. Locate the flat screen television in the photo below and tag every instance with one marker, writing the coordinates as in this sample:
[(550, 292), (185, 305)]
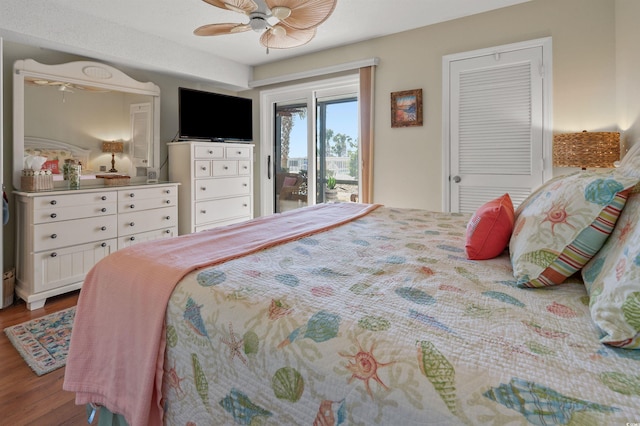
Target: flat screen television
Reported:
[(213, 116)]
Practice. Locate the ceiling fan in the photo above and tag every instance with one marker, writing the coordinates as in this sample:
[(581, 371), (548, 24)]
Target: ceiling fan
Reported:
[(62, 86), (283, 23)]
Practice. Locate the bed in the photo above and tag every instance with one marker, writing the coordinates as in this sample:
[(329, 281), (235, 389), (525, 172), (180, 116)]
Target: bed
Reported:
[(366, 314)]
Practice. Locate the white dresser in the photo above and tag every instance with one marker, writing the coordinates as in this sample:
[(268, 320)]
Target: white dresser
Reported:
[(216, 183), (61, 234)]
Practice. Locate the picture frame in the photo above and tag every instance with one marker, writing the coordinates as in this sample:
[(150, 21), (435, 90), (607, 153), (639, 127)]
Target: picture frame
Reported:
[(406, 108)]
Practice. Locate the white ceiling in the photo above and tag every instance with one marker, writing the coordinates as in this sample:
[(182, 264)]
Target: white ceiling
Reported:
[(110, 29)]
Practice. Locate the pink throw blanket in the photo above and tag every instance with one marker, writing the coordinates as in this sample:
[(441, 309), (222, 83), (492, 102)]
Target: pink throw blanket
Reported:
[(117, 346)]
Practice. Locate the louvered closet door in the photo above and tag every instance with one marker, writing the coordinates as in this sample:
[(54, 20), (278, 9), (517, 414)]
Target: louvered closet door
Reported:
[(496, 127)]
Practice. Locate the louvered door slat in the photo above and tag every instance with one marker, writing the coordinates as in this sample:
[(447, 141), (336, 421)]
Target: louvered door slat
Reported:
[(494, 108)]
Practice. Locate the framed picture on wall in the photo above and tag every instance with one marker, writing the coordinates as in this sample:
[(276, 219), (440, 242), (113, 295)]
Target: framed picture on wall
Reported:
[(406, 108)]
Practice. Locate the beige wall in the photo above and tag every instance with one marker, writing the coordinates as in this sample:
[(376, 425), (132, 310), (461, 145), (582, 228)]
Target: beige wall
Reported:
[(628, 69), (408, 161)]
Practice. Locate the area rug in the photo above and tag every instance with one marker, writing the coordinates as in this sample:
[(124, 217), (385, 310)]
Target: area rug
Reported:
[(44, 342)]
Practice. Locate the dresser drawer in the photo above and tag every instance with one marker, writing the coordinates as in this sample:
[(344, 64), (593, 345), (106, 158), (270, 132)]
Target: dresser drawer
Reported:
[(68, 200), (226, 208), (212, 225), (48, 236), (202, 168), (244, 167), (224, 168), (146, 193), (53, 269), (134, 204), (57, 214), (130, 240), (237, 152), (218, 188), (143, 221), (204, 151)]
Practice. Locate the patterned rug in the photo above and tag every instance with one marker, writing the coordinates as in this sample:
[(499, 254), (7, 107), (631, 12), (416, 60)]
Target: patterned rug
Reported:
[(44, 342)]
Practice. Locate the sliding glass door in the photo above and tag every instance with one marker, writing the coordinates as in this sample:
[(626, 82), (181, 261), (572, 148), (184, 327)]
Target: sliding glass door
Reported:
[(310, 148), (291, 156), (337, 154)]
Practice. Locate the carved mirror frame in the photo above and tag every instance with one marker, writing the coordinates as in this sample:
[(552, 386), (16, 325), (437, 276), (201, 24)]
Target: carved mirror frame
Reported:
[(82, 73)]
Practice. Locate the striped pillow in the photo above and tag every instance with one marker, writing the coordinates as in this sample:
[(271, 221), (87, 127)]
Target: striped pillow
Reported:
[(564, 223)]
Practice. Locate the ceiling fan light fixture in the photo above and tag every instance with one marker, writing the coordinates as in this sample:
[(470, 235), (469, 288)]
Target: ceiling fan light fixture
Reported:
[(281, 12), (279, 31)]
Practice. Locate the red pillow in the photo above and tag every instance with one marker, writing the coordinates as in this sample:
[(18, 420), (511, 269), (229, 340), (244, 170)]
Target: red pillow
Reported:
[(51, 165), (489, 230)]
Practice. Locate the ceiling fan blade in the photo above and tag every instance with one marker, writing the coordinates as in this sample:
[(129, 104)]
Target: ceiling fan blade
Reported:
[(304, 15), (284, 40), (220, 29), (240, 6)]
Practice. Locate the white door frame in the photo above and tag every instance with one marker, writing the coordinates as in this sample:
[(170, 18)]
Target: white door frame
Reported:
[(305, 92), (547, 104)]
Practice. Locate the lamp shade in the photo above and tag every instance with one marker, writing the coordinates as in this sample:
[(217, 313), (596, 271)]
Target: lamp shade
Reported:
[(112, 147), (586, 149)]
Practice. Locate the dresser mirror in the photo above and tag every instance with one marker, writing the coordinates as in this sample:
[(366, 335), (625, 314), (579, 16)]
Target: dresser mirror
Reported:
[(68, 111)]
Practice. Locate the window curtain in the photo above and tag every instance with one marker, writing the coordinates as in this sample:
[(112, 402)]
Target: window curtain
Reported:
[(366, 132)]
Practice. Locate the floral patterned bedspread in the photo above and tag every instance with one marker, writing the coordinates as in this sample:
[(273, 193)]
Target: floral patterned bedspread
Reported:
[(384, 321)]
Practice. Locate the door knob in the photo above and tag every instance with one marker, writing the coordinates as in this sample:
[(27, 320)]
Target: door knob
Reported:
[(457, 179)]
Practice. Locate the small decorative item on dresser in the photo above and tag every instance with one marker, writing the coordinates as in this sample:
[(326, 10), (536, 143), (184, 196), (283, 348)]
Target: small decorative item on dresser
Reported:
[(36, 180), (115, 180)]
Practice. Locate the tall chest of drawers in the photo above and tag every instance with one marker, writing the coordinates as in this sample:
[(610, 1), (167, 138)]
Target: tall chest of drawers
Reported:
[(62, 234), (216, 183)]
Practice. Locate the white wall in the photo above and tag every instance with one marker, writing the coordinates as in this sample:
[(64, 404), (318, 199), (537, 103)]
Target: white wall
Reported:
[(407, 161)]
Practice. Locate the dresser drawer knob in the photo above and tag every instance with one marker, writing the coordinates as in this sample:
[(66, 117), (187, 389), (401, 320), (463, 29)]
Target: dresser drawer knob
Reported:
[(132, 206), (168, 191), (168, 202), (245, 185), (103, 245), (132, 224), (239, 152), (168, 231), (103, 228), (103, 210), (54, 236), (203, 211), (168, 217), (245, 205), (53, 202), (53, 215), (203, 188), (132, 238), (225, 167), (103, 198), (132, 195), (245, 167), (210, 152), (54, 254)]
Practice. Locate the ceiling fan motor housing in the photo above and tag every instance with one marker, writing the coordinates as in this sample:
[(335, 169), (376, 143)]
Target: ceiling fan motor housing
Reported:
[(258, 22)]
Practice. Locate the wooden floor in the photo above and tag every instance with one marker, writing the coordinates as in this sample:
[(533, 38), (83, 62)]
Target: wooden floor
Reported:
[(25, 398)]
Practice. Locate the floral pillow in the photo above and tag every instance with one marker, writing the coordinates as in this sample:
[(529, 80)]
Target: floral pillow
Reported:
[(612, 279), (562, 225)]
